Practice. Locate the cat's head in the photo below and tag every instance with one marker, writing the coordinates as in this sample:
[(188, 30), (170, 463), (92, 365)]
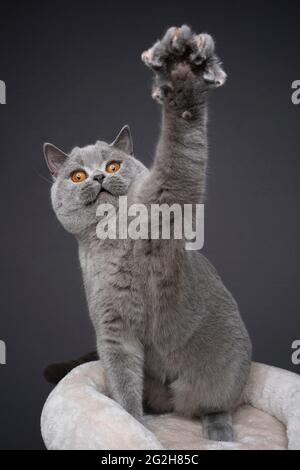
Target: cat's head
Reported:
[(90, 176)]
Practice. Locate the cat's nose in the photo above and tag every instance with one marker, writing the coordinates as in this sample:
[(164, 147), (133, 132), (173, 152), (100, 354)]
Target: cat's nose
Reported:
[(98, 177)]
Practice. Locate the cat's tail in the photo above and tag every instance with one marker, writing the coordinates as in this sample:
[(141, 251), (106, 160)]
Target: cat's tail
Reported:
[(218, 427), (54, 373)]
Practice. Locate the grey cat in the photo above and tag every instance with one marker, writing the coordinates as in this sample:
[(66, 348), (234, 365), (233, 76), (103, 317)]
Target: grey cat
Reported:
[(169, 333)]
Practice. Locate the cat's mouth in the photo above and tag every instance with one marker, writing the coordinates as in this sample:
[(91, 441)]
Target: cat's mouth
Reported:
[(96, 198)]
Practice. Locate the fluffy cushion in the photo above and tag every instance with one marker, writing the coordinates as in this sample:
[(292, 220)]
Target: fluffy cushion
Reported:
[(79, 415)]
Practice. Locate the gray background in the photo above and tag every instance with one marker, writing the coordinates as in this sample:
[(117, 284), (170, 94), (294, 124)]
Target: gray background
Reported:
[(74, 75)]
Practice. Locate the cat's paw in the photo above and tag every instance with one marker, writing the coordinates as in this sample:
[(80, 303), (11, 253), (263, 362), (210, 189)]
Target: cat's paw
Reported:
[(182, 55)]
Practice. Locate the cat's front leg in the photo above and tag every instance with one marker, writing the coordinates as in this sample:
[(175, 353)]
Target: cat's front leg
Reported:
[(185, 67), (122, 356)]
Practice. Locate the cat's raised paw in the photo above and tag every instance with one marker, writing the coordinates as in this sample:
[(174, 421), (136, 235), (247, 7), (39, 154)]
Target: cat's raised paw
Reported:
[(183, 55)]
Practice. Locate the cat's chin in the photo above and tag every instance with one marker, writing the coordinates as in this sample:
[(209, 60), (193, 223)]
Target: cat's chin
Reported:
[(102, 196)]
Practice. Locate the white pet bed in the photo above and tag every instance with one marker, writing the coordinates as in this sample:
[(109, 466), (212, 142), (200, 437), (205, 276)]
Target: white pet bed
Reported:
[(79, 415)]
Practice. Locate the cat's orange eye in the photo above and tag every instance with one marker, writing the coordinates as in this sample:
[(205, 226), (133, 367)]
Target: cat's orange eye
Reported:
[(113, 167), (78, 176)]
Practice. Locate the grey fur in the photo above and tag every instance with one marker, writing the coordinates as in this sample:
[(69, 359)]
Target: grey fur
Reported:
[(168, 331)]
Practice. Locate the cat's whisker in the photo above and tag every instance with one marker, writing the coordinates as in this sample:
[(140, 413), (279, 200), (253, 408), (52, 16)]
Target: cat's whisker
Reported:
[(43, 177)]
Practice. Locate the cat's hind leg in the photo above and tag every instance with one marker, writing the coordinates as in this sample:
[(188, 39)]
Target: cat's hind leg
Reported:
[(157, 397), (208, 403)]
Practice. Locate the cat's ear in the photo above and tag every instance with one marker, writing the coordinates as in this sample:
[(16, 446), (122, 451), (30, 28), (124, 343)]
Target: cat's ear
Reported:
[(124, 141), (55, 158)]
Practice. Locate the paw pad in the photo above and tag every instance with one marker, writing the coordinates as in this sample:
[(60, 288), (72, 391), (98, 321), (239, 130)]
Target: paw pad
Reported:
[(187, 115)]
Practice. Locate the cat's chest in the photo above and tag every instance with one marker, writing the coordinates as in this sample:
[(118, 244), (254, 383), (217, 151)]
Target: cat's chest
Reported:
[(106, 267), (143, 286)]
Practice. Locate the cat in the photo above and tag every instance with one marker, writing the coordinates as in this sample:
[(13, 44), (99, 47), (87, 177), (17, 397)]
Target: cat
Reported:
[(169, 333)]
